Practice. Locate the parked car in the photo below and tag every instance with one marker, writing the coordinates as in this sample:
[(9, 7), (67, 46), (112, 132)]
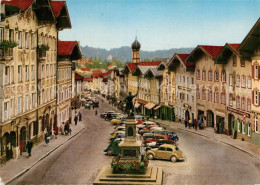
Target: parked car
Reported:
[(87, 106), (166, 151), (147, 129), (118, 136), (116, 121), (139, 117), (159, 143), (172, 135), (113, 148), (156, 129), (116, 133), (148, 135), (156, 138), (144, 124), (95, 103), (119, 128)]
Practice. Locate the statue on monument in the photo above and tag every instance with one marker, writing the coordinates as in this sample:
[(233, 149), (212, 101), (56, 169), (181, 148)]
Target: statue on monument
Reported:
[(129, 104)]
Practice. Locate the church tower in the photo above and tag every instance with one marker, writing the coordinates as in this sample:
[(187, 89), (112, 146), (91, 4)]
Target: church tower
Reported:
[(136, 51)]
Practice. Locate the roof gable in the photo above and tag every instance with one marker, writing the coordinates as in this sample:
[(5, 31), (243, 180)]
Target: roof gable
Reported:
[(226, 52), (60, 11), (69, 48), (21, 4)]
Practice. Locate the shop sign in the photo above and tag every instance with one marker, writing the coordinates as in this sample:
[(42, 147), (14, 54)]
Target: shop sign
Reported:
[(220, 110), (184, 88), (238, 112)]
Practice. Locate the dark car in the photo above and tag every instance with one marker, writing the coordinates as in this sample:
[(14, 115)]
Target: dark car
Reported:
[(173, 136), (113, 148)]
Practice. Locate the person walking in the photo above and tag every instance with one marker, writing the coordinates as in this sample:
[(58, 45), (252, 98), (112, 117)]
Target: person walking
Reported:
[(186, 122), (29, 146), (22, 143), (189, 123), (76, 119), (56, 131), (80, 116), (195, 124), (96, 112), (47, 138)]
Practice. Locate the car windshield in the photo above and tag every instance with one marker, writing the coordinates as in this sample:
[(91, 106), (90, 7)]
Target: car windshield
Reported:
[(161, 148)]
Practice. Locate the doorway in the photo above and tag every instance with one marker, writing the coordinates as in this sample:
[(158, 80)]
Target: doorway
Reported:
[(231, 119), (210, 118)]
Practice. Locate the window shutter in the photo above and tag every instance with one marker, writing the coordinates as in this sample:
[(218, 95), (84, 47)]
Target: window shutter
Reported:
[(253, 74), (253, 98)]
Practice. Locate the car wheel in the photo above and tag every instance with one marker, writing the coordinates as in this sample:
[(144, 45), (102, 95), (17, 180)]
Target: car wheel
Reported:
[(109, 152), (150, 156), (173, 158)]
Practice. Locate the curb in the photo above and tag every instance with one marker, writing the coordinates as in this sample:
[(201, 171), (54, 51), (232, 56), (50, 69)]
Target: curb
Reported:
[(47, 154), (217, 140)]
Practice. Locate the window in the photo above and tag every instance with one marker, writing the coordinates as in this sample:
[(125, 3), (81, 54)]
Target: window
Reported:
[(209, 95), (19, 73), (179, 78), (249, 82), (35, 128), (242, 62), (238, 126), (234, 60), (19, 101), (47, 70), (26, 73), (243, 103), (210, 75), (7, 73), (249, 129), (42, 71), (6, 110), (183, 79), (192, 80), (26, 41), (192, 98), (256, 72), (223, 98), (33, 100), (204, 74), (243, 128), (198, 74), (230, 80), (20, 39), (168, 149), (12, 74), (256, 101), (238, 81), (203, 94), (216, 76), (32, 73), (187, 97), (243, 81), (256, 124), (238, 102), (198, 92), (188, 79), (11, 110), (11, 34), (230, 100), (26, 103), (223, 76), (51, 70), (248, 105), (216, 96)]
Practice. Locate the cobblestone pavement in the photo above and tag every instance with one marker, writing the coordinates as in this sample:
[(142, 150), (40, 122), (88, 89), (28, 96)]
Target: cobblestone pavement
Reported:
[(208, 160)]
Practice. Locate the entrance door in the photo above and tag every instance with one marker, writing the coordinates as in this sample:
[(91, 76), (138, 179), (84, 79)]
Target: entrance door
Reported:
[(231, 118), (7, 146), (23, 137), (210, 119)]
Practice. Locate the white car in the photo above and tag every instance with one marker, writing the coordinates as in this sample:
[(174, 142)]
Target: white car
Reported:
[(145, 124), (154, 129)]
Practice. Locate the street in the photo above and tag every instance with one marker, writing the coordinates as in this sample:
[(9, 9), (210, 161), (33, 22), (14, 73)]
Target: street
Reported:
[(79, 161)]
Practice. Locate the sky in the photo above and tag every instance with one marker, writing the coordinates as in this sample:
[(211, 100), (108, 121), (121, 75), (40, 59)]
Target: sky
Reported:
[(160, 24)]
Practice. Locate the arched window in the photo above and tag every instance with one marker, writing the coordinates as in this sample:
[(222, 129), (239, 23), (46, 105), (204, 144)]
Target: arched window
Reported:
[(223, 76)]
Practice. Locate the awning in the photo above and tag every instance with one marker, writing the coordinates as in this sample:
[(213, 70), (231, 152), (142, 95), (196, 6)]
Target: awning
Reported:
[(149, 105), (157, 107), (137, 104)]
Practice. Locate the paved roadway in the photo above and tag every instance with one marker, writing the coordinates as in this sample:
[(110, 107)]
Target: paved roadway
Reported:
[(208, 162)]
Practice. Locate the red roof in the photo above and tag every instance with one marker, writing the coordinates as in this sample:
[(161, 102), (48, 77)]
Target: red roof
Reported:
[(104, 80), (97, 73), (57, 7), (85, 69), (66, 47), (234, 46), (213, 51), (88, 79), (132, 66), (21, 4), (183, 57), (78, 77), (107, 73)]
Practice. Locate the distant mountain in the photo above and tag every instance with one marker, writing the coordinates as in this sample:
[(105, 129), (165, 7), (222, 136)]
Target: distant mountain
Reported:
[(125, 53)]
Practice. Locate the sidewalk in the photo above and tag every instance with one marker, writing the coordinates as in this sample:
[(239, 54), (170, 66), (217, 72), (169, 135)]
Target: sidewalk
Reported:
[(244, 146), (16, 167)]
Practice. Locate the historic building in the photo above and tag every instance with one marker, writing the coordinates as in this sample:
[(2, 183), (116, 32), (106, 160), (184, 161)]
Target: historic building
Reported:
[(185, 100), (68, 51), (250, 52), (210, 94)]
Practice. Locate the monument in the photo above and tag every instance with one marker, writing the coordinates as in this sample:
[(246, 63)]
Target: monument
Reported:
[(130, 167)]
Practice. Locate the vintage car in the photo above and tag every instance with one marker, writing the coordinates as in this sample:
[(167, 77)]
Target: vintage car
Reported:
[(166, 151), (146, 130), (156, 138), (156, 129), (118, 128), (148, 135), (118, 136), (113, 136), (113, 148), (159, 143), (172, 135), (144, 124)]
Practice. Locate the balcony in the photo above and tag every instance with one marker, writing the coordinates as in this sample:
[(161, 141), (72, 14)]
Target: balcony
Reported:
[(42, 54), (6, 54)]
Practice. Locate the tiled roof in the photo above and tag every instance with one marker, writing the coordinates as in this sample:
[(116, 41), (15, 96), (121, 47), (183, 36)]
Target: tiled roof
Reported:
[(213, 51), (156, 72), (66, 47), (107, 73), (97, 73), (57, 7), (85, 69), (234, 46), (183, 57), (21, 4), (88, 79), (132, 66), (78, 77)]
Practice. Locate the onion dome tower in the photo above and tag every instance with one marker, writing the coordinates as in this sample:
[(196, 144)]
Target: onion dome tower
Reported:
[(136, 51)]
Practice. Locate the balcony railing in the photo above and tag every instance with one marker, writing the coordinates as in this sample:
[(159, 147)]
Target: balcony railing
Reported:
[(6, 53)]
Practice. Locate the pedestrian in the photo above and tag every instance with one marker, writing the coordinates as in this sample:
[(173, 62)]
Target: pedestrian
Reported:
[(62, 127), (80, 116), (47, 138), (29, 146), (189, 123), (200, 123), (76, 119), (195, 124), (56, 131), (22, 143), (186, 122), (96, 112)]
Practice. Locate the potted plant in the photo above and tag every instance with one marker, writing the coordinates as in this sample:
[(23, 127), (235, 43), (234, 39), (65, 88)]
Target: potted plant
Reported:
[(8, 44), (44, 47)]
